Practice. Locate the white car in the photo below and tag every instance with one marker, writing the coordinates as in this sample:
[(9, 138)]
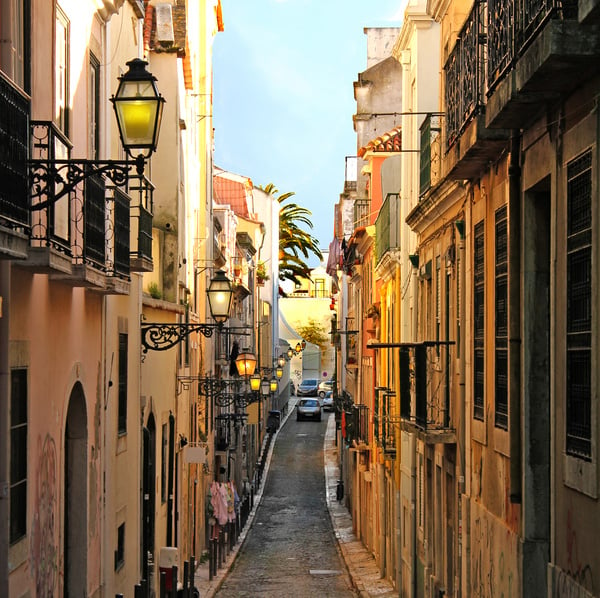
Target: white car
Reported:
[(327, 402)]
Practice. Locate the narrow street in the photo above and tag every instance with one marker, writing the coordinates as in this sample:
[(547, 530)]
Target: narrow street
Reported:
[(291, 547)]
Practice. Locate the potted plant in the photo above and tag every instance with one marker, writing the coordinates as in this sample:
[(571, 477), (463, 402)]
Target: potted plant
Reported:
[(261, 274)]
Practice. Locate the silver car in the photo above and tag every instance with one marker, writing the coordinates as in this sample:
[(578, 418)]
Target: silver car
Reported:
[(327, 402), (308, 408)]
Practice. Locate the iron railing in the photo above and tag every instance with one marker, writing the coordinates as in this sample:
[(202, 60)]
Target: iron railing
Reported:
[(464, 76), (14, 151), (362, 209), (512, 26)]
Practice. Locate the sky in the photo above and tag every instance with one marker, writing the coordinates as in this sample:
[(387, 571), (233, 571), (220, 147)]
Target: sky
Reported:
[(283, 94)]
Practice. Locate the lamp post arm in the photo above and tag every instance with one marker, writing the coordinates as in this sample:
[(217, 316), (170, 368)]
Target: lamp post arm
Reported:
[(160, 337), (53, 179)]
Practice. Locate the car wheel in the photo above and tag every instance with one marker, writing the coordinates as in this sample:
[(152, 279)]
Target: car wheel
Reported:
[(297, 418), (319, 418)]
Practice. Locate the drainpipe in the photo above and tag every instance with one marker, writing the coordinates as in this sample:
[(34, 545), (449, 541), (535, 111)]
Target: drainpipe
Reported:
[(413, 447), (4, 431), (462, 449), (514, 314)]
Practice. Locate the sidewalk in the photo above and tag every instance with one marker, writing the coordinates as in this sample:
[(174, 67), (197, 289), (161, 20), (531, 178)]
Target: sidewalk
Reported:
[(360, 563)]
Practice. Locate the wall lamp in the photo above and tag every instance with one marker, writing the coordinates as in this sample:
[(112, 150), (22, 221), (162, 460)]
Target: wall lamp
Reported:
[(160, 337), (138, 108)]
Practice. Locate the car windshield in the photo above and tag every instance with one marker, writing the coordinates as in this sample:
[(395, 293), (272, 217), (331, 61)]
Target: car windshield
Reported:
[(308, 402), (308, 383)]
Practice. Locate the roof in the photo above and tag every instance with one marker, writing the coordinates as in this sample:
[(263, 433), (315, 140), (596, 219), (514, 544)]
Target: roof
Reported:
[(232, 189), (388, 142)]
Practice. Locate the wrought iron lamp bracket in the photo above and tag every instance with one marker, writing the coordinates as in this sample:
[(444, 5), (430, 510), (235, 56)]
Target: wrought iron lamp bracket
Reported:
[(160, 337), (51, 180)]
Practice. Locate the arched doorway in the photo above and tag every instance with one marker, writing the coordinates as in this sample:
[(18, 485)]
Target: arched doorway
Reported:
[(75, 503), (148, 494)]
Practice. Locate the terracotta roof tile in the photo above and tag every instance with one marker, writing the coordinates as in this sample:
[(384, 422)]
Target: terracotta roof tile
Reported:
[(232, 189), (388, 142)]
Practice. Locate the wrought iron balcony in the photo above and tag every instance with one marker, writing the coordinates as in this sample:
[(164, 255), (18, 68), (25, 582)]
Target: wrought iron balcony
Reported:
[(536, 52), (362, 210), (425, 394), (387, 235), (385, 419), (469, 144), (14, 144), (357, 424), (80, 229)]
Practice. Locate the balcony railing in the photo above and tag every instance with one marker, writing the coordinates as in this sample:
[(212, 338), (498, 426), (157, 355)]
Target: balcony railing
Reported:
[(387, 236), (425, 403), (464, 76), (362, 210), (512, 26), (357, 424), (14, 151), (385, 421)]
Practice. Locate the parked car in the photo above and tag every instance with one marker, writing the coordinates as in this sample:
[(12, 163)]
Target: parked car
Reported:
[(308, 388), (327, 402), (325, 387), (308, 408)]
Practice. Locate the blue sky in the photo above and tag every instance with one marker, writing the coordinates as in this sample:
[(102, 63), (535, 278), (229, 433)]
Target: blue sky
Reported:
[(283, 94)]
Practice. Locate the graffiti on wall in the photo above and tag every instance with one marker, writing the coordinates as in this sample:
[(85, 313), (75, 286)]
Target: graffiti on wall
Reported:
[(43, 547), (577, 581), (494, 549)]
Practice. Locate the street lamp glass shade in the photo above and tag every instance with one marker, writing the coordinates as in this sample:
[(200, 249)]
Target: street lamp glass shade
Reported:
[(220, 295), (273, 385), (281, 361), (255, 382), (290, 353), (279, 372), (265, 387), (245, 363), (298, 348), (303, 344), (138, 107)]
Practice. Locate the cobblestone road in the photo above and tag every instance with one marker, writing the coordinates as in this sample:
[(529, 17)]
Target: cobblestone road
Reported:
[(291, 549)]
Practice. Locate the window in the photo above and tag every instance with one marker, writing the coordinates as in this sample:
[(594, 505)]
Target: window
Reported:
[(120, 551), (478, 321), (122, 417), (61, 72), (14, 24), (579, 306), (501, 299), (94, 108), (18, 454)]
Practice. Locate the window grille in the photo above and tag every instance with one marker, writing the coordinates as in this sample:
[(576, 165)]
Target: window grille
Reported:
[(478, 321), (579, 306), (18, 455), (501, 299)]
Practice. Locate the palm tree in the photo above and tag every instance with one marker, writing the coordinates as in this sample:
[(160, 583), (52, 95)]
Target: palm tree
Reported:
[(295, 242)]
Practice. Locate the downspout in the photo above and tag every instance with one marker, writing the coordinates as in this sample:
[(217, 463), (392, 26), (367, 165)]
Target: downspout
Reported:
[(398, 472), (5, 267), (462, 452), (514, 314), (413, 469)]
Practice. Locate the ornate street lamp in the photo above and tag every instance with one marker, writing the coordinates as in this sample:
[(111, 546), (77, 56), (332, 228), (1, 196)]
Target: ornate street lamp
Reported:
[(220, 296), (255, 380), (160, 337), (273, 385), (138, 107), (265, 387), (281, 361), (245, 363), (279, 372), (290, 353)]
